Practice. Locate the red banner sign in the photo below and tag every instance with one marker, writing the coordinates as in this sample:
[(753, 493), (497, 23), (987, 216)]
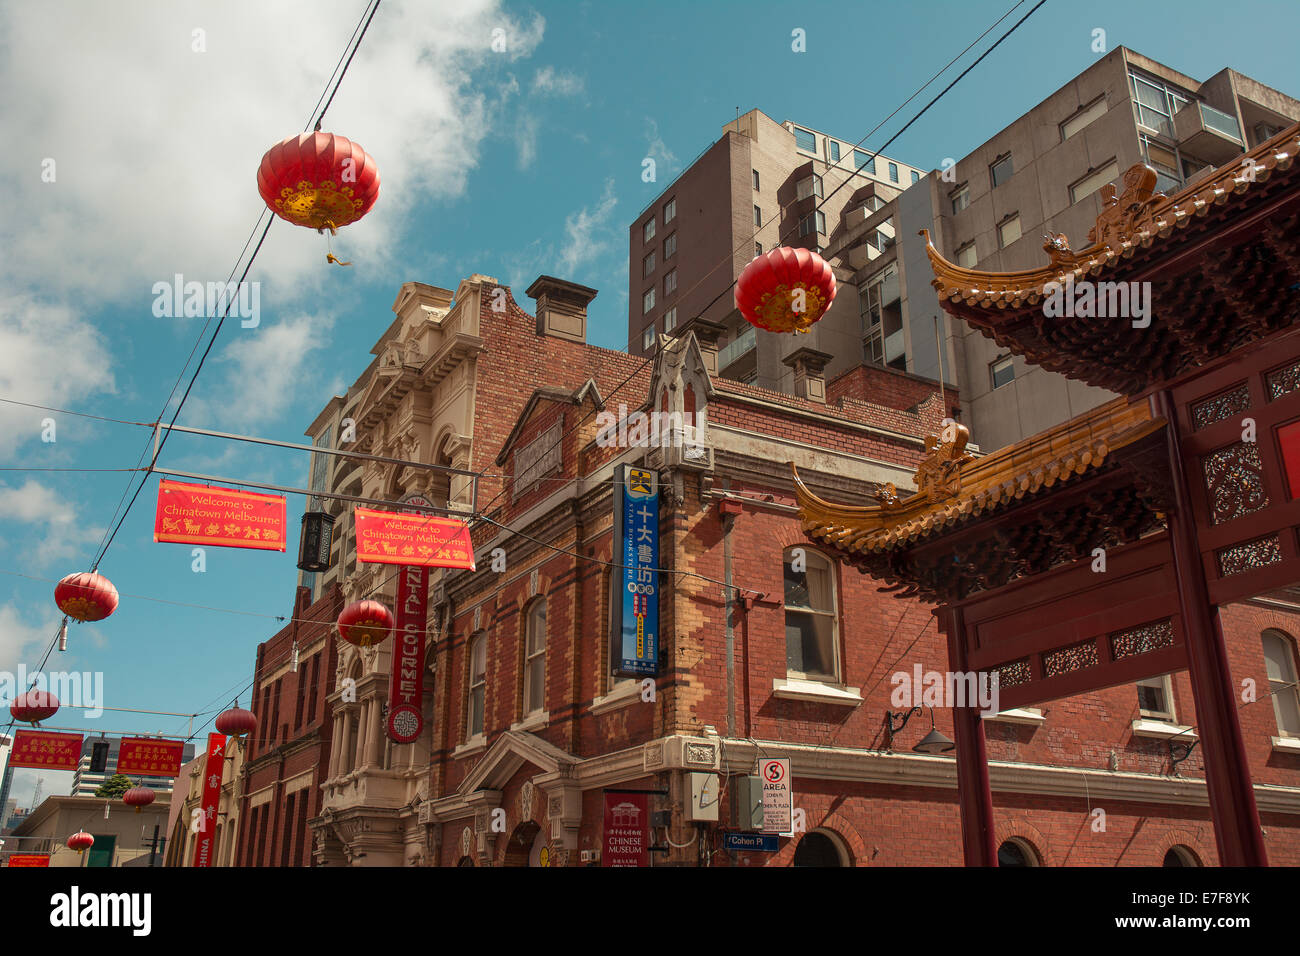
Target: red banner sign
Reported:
[(222, 517), (29, 859), (205, 845), (627, 829), (384, 537), (406, 686), (45, 751), (150, 756)]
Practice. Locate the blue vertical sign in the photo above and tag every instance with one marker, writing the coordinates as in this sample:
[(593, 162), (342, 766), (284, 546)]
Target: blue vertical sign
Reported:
[(636, 537)]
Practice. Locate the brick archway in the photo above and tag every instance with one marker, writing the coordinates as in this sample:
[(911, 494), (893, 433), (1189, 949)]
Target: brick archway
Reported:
[(520, 844)]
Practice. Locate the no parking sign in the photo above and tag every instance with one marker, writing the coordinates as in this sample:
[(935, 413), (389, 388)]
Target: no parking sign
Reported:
[(778, 800)]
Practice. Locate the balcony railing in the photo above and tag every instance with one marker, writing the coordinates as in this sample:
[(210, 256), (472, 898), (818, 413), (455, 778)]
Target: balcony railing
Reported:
[(747, 340), (1220, 121)]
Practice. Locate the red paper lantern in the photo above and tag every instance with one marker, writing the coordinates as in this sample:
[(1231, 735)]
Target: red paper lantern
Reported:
[(768, 296), (236, 722), (87, 596), (33, 707), (318, 180), (81, 841), (138, 797), (365, 622)]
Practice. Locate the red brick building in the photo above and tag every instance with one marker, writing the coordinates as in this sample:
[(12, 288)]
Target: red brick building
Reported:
[(288, 754)]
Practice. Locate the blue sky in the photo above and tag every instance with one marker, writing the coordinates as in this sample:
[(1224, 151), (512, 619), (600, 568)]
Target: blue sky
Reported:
[(506, 163)]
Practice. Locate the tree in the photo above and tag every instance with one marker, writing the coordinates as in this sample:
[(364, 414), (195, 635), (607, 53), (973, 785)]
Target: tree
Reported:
[(114, 786)]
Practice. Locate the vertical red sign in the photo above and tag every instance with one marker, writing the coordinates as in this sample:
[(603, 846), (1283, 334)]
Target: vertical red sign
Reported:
[(406, 685), (627, 823), (205, 846)]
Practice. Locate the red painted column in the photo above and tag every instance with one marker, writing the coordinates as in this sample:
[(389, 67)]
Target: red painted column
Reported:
[(974, 795), (1227, 771)]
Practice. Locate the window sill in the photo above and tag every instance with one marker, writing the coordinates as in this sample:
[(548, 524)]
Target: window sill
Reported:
[(1018, 715), (620, 695), (1288, 744), (819, 692), (533, 721), (1161, 729), (472, 746)]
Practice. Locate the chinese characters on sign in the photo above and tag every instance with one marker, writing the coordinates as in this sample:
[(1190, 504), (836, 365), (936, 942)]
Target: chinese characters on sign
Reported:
[(406, 686), (627, 820), (220, 517), (44, 750), (636, 537), (150, 757), (29, 859), (384, 537), (212, 770)]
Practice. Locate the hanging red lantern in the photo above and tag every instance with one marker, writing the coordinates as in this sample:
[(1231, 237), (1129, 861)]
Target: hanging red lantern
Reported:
[(318, 180), (236, 722), (88, 596), (33, 707), (138, 797), (785, 290), (81, 841), (365, 622)]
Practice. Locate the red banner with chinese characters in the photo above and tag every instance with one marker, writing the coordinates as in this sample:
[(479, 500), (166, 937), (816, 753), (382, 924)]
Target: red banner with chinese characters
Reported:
[(204, 846), (150, 756), (44, 750), (385, 537), (627, 829), (221, 517), (29, 859), (406, 685)]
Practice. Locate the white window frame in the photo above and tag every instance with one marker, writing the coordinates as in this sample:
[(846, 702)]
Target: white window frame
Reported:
[(670, 283), (810, 555), (648, 264), (961, 255), (960, 198), (1003, 241), (670, 210), (477, 685), (993, 176), (1284, 690), (670, 246), (648, 301), (1108, 172), (1166, 687), (670, 319), (648, 337), (534, 657), (648, 230), (1003, 361), (1083, 117)]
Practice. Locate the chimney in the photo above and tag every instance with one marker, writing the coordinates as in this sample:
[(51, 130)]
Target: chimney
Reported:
[(561, 308), (809, 373), (707, 333)]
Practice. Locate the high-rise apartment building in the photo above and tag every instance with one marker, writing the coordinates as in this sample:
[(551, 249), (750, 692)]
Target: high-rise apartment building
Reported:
[(991, 210), (85, 783)]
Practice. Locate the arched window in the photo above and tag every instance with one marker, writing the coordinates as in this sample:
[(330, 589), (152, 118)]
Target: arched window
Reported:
[(811, 616), (1180, 856), (1016, 852), (1279, 661), (477, 684), (535, 658), (819, 848)]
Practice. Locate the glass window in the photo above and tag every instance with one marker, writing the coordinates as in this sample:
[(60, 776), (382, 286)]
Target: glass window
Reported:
[(811, 618), (916, 177), (535, 659), (893, 172), (755, 172), (1082, 118), (865, 161), (670, 319), (960, 198), (813, 222), (648, 230), (811, 186), (477, 682), (670, 247), (758, 216), (835, 150), (805, 140), (1001, 170), (648, 338), (1002, 370), (1009, 231), (1015, 853), (966, 256), (648, 264), (1156, 698), (648, 301), (1279, 662), (1093, 181), (670, 283), (670, 210), (758, 249)]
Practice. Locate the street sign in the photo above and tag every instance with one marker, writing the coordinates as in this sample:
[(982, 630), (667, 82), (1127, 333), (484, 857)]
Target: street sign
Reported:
[(778, 801), (757, 842)]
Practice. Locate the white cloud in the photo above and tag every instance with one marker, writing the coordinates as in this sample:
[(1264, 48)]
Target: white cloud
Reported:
[(49, 355), (588, 232), (156, 169), (58, 531), (665, 159), (24, 636), (549, 81), (526, 138)]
